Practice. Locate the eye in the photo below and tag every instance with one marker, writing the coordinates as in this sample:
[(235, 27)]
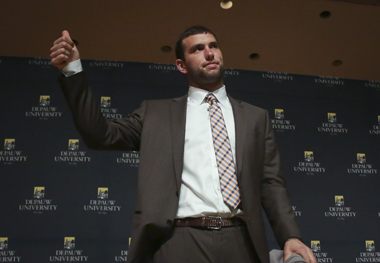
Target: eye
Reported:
[(214, 45), (199, 48)]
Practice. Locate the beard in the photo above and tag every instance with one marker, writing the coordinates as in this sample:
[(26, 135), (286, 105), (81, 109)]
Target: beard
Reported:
[(208, 77)]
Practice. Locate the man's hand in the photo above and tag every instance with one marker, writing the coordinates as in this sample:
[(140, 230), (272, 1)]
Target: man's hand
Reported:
[(295, 246), (63, 51)]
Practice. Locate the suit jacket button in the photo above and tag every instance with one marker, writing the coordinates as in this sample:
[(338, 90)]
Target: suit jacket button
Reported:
[(169, 222)]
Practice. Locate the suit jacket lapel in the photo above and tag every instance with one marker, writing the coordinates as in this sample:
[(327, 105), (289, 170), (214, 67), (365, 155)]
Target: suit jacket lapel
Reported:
[(178, 126), (240, 132)]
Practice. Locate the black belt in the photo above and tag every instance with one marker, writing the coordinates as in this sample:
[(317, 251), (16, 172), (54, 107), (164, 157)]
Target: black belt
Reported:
[(210, 222)]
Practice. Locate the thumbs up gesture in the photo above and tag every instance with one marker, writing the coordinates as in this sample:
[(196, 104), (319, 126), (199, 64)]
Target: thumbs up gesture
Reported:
[(63, 51)]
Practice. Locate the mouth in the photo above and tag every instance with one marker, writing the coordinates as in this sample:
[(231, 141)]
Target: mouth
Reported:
[(211, 65)]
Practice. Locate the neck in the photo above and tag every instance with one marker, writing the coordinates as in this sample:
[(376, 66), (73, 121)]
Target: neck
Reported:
[(209, 86)]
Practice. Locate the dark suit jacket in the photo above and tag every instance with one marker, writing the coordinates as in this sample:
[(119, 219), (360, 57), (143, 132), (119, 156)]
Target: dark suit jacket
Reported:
[(157, 130)]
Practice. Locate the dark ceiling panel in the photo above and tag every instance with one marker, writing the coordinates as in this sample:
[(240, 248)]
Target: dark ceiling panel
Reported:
[(364, 2)]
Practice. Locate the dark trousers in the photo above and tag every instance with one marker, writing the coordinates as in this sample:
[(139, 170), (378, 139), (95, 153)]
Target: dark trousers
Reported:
[(193, 245)]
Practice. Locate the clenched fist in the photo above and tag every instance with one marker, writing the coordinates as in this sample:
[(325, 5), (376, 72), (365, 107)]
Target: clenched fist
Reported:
[(63, 51)]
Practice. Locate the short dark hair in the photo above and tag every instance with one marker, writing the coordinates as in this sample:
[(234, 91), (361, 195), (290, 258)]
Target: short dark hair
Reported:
[(194, 30)]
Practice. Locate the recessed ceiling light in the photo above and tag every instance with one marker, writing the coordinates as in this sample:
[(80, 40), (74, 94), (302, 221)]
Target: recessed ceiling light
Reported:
[(337, 63), (166, 49), (254, 56), (325, 14), (226, 4)]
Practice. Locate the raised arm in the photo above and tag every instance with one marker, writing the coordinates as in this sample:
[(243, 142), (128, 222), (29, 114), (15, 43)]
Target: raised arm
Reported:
[(97, 132)]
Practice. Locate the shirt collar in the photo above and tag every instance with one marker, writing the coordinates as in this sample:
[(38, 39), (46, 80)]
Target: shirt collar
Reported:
[(198, 95)]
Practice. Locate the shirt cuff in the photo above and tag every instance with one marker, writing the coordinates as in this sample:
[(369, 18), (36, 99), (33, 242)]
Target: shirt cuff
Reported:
[(72, 68)]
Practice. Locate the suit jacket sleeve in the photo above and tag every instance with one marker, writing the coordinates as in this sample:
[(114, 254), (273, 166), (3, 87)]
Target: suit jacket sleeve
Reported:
[(274, 195), (98, 132)]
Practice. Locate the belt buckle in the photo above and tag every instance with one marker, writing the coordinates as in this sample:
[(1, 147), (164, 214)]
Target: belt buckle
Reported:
[(220, 222)]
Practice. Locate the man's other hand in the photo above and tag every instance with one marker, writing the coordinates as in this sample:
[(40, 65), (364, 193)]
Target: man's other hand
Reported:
[(295, 246), (63, 51)]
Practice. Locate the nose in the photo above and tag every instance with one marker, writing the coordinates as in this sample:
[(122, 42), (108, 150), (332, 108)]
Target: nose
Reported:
[(209, 53)]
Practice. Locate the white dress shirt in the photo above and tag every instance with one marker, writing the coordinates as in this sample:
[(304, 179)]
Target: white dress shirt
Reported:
[(200, 193)]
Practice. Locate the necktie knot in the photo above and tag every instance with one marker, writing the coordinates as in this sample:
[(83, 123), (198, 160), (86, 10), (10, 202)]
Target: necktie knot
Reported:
[(211, 99)]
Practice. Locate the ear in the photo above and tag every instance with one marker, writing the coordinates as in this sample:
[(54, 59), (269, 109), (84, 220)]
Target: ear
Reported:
[(181, 66)]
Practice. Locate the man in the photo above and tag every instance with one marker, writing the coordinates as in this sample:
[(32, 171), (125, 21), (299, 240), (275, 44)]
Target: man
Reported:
[(200, 198)]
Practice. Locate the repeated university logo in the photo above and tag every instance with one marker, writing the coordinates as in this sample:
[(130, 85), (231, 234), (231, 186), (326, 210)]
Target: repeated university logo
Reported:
[(106, 64), (73, 145), (309, 166), (107, 111), (123, 254), (38, 204), (10, 155), (362, 167), (376, 128), (361, 158), (277, 76), (69, 243), (131, 158), (331, 117), (320, 255), (40, 61), (375, 84), (296, 212), (69, 253), (102, 193), (339, 200), (315, 245), (7, 255), (102, 205), (279, 123), (73, 155), (39, 192), (164, 68), (340, 211), (105, 102), (309, 156), (9, 144), (230, 72), (3, 243), (369, 245), (43, 111), (370, 254), (44, 100), (332, 126), (329, 81), (279, 114)]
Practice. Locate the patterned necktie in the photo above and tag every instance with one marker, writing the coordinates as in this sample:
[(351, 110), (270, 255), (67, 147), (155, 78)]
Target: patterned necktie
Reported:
[(223, 154)]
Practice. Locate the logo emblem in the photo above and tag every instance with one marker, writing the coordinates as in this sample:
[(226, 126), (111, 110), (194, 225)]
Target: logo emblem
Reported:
[(73, 144), (309, 156), (102, 193), (44, 100), (279, 114), (339, 200), (3, 243), (361, 158), (105, 102), (316, 245), (370, 245), (69, 243), (331, 117), (9, 144), (39, 192)]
